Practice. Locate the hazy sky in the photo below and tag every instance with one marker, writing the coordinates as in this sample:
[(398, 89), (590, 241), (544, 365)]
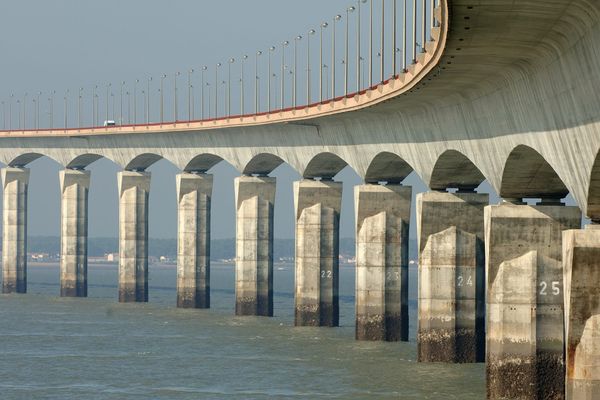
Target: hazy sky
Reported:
[(66, 44)]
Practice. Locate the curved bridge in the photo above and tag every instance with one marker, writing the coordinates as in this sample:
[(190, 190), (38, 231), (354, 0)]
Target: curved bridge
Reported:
[(503, 87)]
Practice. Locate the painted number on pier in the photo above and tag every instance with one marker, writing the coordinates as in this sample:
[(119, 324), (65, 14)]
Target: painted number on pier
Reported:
[(326, 274), (393, 276), (555, 288), (460, 280)]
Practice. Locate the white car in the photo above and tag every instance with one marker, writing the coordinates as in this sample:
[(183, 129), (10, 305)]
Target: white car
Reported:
[(109, 123)]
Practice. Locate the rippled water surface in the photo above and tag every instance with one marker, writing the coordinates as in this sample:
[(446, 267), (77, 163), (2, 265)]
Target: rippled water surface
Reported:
[(95, 348)]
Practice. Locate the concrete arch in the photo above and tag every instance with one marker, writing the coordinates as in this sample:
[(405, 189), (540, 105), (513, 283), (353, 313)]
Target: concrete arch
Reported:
[(142, 162), (202, 163), (455, 170), (324, 165), (593, 195), (84, 160), (527, 174), (24, 159), (262, 164), (387, 167)]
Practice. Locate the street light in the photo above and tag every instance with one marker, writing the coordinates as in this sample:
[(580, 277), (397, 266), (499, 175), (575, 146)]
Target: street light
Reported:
[(128, 108), (231, 61), (217, 89), (3, 116), (358, 40), (148, 100), (371, 43), (394, 22), (175, 110), (107, 99), (335, 20), (347, 56), (323, 26), (271, 50), (145, 104), (404, 27), (295, 88), (242, 107), (162, 98), (258, 54), (10, 111), (121, 104), (19, 114), (24, 109), (94, 116), (283, 46), (190, 116), (310, 33), (204, 68), (37, 110), (79, 106), (382, 41), (135, 101), (66, 108)]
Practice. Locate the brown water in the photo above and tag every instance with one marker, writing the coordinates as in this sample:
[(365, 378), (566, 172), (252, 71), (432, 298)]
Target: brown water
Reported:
[(95, 348)]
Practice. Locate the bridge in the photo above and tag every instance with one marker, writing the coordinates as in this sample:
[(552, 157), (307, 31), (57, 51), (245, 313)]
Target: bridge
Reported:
[(459, 92)]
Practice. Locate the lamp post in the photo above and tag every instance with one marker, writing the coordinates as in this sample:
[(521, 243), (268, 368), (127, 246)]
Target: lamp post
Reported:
[(190, 72), (217, 89), (135, 101), (283, 46), (66, 109), (52, 109), (414, 33), (94, 116), (271, 50), (145, 104), (424, 25), (3, 116), (358, 43), (335, 20), (394, 23), (204, 68), (404, 16), (256, 81), (148, 100), (128, 94), (19, 114), (121, 104), (295, 88), (10, 111), (231, 61), (310, 33), (323, 26), (37, 111), (382, 41), (242, 94), (79, 106), (112, 96), (162, 98), (371, 43), (347, 56), (24, 109), (175, 103)]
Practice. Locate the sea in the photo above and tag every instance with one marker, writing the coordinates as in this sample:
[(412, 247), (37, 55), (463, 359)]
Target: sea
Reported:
[(95, 348)]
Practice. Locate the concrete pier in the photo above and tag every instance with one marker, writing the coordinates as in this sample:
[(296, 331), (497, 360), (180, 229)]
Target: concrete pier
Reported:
[(382, 224), (255, 200), (581, 260), (194, 193), (134, 188), (525, 340), (74, 187), (14, 236), (450, 231), (317, 205)]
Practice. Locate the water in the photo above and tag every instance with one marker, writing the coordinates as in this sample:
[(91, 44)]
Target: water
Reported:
[(96, 348)]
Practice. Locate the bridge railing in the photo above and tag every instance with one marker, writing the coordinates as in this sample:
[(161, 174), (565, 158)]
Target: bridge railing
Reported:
[(369, 44)]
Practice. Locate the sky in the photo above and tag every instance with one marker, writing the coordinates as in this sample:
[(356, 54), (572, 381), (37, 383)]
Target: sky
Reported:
[(67, 44)]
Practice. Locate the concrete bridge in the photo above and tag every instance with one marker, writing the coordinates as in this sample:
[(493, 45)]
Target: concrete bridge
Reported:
[(506, 92)]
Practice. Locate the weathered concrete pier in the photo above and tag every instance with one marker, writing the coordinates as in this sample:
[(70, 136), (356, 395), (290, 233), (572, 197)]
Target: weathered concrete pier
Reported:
[(525, 341), (451, 277), (382, 223), (255, 201), (194, 192)]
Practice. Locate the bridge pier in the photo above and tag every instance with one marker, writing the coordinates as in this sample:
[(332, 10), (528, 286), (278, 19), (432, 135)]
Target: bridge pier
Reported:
[(255, 200), (134, 189), (14, 235), (317, 206), (581, 260), (525, 353), (451, 277), (194, 193), (74, 187), (382, 224)]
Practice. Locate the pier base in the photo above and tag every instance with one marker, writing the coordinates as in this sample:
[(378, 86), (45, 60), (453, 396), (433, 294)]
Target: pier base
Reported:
[(451, 277), (14, 236), (382, 224), (254, 199), (74, 187), (525, 337), (194, 193), (134, 189), (581, 260), (317, 205)]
